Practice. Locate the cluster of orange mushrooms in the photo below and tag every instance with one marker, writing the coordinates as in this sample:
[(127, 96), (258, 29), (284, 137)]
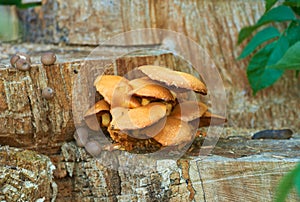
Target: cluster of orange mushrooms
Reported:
[(147, 112)]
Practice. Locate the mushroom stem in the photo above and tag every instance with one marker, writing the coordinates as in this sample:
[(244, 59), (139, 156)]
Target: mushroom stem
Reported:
[(105, 119)]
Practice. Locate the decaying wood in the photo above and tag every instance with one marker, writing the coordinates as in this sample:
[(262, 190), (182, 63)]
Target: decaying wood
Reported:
[(214, 25), (240, 169), (211, 178), (25, 176), (30, 121)]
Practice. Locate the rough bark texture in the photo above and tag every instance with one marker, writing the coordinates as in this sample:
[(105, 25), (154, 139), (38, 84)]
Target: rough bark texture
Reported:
[(214, 178), (214, 25), (25, 176), (31, 121), (240, 169)]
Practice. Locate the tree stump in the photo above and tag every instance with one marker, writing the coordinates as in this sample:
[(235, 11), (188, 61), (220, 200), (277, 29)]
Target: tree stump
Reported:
[(238, 169)]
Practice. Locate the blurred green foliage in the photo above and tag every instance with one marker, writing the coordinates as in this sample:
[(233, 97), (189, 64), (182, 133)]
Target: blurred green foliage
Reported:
[(272, 52)]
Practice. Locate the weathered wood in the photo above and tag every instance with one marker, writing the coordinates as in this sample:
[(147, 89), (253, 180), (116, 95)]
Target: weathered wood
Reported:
[(211, 178), (25, 176), (33, 122), (214, 25)]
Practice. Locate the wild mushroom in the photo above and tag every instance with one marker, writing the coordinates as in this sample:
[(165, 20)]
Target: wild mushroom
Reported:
[(149, 91), (115, 90), (14, 59), (98, 115), (146, 88), (189, 110), (175, 79), (22, 64), (137, 118), (93, 148), (18, 56), (174, 133), (48, 58), (48, 93)]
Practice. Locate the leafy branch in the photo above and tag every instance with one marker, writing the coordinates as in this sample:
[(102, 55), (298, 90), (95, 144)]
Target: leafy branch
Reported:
[(272, 52)]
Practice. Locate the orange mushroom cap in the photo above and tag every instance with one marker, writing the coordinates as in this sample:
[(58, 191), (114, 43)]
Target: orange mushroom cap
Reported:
[(179, 80)]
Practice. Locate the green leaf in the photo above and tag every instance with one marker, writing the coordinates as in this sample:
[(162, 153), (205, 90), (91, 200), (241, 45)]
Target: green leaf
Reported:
[(19, 3), (245, 33), (290, 60), (277, 14), (259, 75), (10, 2), (261, 37), (292, 3), (297, 180), (269, 4), (286, 184), (292, 32)]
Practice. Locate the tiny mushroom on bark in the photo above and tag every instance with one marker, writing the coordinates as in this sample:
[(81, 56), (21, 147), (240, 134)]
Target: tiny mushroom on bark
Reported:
[(93, 148), (18, 56), (48, 58), (14, 59), (22, 64), (48, 93)]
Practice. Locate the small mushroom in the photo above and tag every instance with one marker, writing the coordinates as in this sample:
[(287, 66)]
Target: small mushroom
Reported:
[(48, 58), (189, 110), (98, 115), (175, 132), (146, 88), (137, 118), (48, 93), (22, 64), (115, 90), (81, 136), (93, 148), (25, 57), (175, 79), (14, 59)]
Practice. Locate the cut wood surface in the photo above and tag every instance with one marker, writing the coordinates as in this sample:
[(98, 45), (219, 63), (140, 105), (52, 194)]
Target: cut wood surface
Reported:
[(31, 121), (238, 169), (210, 178), (25, 176)]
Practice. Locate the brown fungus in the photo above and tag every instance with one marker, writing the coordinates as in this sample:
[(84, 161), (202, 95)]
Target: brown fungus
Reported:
[(137, 118), (14, 59), (115, 90), (174, 133), (48, 58), (22, 64), (48, 93), (178, 81), (189, 110), (98, 115), (93, 148)]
